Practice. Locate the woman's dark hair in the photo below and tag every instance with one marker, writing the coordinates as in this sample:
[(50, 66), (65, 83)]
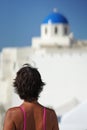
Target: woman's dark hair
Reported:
[(28, 83)]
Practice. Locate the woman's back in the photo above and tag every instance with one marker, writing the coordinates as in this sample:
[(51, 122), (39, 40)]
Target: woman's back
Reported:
[(31, 116)]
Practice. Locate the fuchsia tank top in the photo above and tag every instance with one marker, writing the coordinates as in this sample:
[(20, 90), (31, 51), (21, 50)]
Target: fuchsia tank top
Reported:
[(44, 118)]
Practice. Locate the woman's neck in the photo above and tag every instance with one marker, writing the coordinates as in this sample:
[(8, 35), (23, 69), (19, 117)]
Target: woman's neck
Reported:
[(31, 103)]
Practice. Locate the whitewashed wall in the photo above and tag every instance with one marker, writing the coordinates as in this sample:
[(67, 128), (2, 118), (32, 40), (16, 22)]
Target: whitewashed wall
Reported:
[(65, 75)]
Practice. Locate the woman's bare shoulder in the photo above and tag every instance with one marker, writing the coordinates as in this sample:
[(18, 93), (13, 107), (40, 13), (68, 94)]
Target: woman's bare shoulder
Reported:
[(11, 116), (51, 112), (12, 111), (53, 118), (50, 109)]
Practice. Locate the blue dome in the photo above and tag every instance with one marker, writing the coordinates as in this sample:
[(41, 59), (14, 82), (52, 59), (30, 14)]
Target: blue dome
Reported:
[(55, 18)]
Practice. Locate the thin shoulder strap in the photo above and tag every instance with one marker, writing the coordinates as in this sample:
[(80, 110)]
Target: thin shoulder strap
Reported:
[(44, 119), (24, 114)]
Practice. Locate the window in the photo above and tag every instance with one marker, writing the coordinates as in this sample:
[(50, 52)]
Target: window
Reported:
[(56, 30), (65, 30), (45, 30)]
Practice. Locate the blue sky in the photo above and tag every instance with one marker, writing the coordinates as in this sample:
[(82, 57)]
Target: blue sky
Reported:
[(20, 20)]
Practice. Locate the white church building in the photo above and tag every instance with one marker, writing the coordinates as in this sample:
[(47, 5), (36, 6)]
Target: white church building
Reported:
[(61, 60), (55, 31)]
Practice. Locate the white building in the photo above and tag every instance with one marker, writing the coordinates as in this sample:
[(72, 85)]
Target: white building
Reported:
[(55, 31), (61, 60)]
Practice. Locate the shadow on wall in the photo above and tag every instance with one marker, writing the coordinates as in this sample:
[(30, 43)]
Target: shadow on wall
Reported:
[(59, 118), (2, 114)]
